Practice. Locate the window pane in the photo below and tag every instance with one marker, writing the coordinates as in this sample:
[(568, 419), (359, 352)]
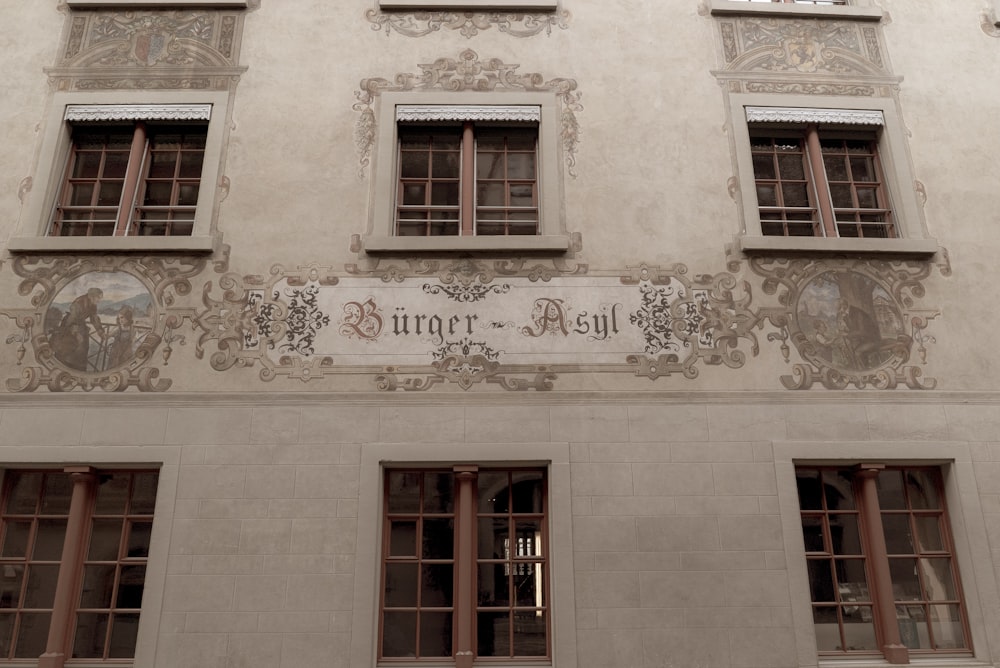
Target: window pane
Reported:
[(763, 166), (929, 536), (827, 624), (116, 163), (110, 194), (24, 491), (404, 491), (414, 194), (790, 166), (529, 633), (56, 495), (938, 581), (163, 164), (6, 633), (191, 164), (439, 493), (32, 634), (767, 195), (490, 194), (105, 539), (841, 196), (403, 538), (11, 576), (91, 630), (522, 195), (49, 540), (836, 167), (435, 634), (795, 194), (527, 491), (905, 585), (897, 533), (859, 628), (812, 533), (158, 194), (98, 586), (437, 585), (529, 586), (399, 634), (41, 589), (401, 585), (890, 490), (130, 586), (413, 165), (821, 580), (438, 538), (845, 534), (15, 539), (81, 194), (494, 588), (187, 194), (810, 489), (445, 165), (87, 165), (922, 489), (444, 194), (946, 625), (493, 492), (493, 633), (529, 538)]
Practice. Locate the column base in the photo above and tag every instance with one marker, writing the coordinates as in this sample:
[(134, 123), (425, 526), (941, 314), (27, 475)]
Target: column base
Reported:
[(896, 653)]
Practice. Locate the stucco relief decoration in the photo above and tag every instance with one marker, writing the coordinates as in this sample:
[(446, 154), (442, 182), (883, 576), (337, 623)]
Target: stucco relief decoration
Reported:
[(467, 24), (468, 72), (853, 323), (157, 49), (98, 323), (813, 51)]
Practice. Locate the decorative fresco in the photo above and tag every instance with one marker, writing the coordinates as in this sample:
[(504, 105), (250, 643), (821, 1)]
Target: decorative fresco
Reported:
[(468, 73), (155, 49), (113, 323), (467, 24), (98, 322)]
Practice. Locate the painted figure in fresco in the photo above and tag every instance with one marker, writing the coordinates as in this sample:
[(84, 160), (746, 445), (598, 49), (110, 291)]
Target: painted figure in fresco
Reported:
[(71, 338), (860, 332), (122, 340)]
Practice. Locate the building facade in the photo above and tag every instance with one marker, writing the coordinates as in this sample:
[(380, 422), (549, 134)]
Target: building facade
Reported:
[(499, 333)]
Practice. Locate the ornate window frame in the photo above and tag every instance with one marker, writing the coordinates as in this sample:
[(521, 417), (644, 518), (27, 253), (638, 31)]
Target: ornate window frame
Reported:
[(912, 237), (56, 143), (551, 237)]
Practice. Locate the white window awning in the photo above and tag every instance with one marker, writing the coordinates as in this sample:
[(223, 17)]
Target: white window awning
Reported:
[(809, 115), (138, 112), (415, 113)]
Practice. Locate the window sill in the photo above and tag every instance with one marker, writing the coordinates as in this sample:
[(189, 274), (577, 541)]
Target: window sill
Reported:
[(110, 244), (913, 247), (539, 5), (539, 243), (729, 7), (139, 4)]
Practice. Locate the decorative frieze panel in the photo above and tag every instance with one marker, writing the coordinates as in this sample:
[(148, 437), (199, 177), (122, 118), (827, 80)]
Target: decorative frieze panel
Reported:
[(156, 49), (468, 73), (114, 323), (467, 24)]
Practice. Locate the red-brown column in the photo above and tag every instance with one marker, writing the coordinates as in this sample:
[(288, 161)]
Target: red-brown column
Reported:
[(57, 646), (878, 561), (815, 151), (465, 596)]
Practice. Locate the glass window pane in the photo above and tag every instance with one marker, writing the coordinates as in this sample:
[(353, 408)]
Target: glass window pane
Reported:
[(399, 634), (493, 538), (522, 195), (143, 493), (812, 533), (56, 495), (81, 194), (839, 489), (939, 585), (529, 586), (852, 582), (867, 198), (827, 625), (403, 538), (131, 582), (439, 493), (15, 539), (445, 165), (841, 196), (158, 194), (946, 625), (400, 585), (521, 166), (187, 194), (91, 630), (836, 167), (897, 533), (790, 167), (105, 539), (24, 489), (49, 540), (529, 633), (845, 534), (435, 634), (32, 634), (493, 492), (810, 489), (529, 538), (767, 195), (404, 491), (494, 589), (87, 165), (10, 586), (859, 628), (162, 165), (98, 586), (490, 194), (912, 626), (905, 584), (922, 488), (124, 630), (438, 538), (414, 194), (527, 491), (493, 634), (191, 163), (763, 166), (116, 163), (444, 194), (437, 585), (890, 490), (929, 537), (41, 589), (821, 580), (414, 165), (6, 633), (795, 194), (110, 193)]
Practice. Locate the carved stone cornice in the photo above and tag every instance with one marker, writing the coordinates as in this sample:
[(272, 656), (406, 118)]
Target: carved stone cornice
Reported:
[(416, 113), (138, 112), (809, 115)]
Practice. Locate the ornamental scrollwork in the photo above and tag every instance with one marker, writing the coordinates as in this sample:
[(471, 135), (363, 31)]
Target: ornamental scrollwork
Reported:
[(467, 24)]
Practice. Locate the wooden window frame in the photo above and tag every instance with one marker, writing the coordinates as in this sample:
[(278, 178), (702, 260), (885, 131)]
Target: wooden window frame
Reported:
[(857, 10), (826, 219), (865, 506), (129, 213), (467, 209), (466, 563), (76, 556)]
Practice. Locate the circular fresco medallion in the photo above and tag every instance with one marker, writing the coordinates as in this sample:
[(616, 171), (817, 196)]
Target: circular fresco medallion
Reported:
[(849, 321), (96, 322)]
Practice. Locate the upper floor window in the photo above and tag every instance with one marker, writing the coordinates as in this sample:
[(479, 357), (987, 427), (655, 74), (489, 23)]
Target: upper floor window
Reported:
[(468, 179), (805, 2), (825, 178), (140, 179), (524, 5), (467, 176), (881, 562)]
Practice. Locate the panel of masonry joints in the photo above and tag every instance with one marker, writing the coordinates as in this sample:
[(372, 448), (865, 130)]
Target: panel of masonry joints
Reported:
[(114, 323)]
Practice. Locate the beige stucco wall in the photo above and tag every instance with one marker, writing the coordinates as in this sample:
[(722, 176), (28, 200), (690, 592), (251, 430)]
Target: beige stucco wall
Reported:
[(683, 547)]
